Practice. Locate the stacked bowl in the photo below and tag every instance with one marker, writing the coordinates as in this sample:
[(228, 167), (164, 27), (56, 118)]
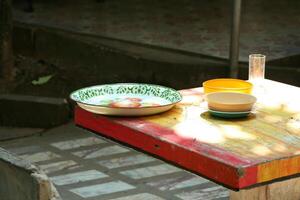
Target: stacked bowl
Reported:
[(229, 98)]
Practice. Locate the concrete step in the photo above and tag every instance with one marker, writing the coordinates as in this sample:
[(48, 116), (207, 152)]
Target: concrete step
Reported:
[(92, 59), (32, 111), (96, 60)]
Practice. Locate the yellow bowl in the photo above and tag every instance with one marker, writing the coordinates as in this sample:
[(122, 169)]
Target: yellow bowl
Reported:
[(227, 85)]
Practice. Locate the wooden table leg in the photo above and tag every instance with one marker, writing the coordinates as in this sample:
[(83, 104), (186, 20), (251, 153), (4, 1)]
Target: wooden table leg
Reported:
[(284, 190)]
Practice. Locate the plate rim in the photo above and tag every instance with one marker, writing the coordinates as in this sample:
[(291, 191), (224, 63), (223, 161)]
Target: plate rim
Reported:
[(70, 96)]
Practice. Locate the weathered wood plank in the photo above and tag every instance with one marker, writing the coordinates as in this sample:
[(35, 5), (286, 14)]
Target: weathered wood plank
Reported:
[(287, 190)]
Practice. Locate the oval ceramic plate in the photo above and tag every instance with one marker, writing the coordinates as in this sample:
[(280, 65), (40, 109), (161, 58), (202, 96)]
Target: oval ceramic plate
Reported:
[(126, 99), (229, 115)]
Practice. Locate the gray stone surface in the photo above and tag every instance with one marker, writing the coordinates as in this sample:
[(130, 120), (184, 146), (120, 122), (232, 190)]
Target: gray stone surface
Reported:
[(101, 189), (78, 177), (26, 149), (20, 180), (147, 172), (126, 161), (112, 172), (106, 151), (33, 111), (207, 194), (179, 182), (58, 166), (40, 156), (8, 133), (202, 27), (72, 144), (143, 196), (100, 58)]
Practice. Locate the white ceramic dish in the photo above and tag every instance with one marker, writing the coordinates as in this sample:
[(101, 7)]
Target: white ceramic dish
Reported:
[(230, 101), (126, 99)]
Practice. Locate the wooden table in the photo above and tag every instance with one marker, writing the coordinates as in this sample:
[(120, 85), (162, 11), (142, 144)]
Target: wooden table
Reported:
[(258, 157)]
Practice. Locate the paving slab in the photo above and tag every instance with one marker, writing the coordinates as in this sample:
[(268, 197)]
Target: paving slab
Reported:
[(83, 165), (8, 133)]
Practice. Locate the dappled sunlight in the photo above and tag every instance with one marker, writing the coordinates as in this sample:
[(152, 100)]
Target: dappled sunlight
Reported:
[(279, 96), (293, 106), (296, 152), (280, 148), (273, 118), (193, 112), (192, 96), (236, 132), (203, 132), (271, 131), (293, 124), (261, 150), (253, 137), (283, 118), (194, 126), (191, 91), (191, 100), (198, 124), (279, 106)]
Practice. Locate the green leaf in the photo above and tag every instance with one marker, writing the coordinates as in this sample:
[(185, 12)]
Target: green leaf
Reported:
[(42, 80)]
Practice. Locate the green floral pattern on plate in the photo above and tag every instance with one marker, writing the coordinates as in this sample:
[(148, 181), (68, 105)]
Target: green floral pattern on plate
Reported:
[(168, 94)]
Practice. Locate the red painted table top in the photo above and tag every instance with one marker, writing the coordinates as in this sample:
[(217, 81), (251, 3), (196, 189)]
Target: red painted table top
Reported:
[(236, 153)]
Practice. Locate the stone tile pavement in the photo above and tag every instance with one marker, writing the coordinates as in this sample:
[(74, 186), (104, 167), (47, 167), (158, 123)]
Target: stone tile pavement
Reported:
[(83, 165)]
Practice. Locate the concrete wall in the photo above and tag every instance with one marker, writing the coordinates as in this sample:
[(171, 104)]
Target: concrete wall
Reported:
[(16, 183), (20, 180)]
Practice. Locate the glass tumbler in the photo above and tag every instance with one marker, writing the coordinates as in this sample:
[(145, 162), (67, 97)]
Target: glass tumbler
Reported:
[(256, 67)]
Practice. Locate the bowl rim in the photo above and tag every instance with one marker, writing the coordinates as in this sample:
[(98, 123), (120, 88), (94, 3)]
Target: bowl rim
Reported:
[(250, 85)]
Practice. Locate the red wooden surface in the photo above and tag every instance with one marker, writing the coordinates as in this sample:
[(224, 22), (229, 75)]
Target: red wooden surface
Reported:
[(237, 153), (220, 166)]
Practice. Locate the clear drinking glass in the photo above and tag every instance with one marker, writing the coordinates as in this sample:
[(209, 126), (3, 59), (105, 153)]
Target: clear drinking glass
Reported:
[(256, 67)]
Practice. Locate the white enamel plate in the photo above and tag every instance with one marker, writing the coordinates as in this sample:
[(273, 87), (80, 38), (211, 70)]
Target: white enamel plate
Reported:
[(126, 99)]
